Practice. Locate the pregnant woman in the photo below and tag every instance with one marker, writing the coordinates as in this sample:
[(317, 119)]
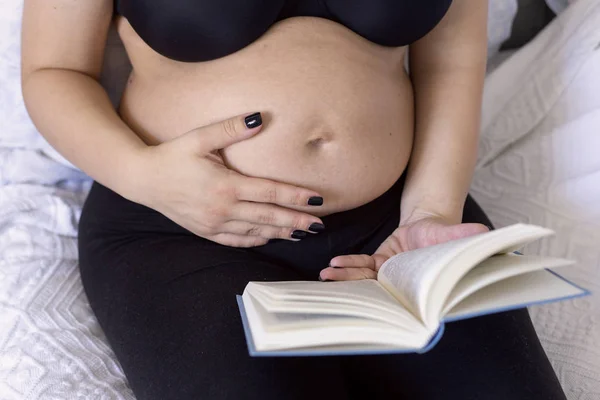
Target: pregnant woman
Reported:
[(271, 140)]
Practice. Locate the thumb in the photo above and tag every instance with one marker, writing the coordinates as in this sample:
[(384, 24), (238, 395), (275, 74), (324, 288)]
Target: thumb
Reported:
[(429, 233), (453, 232), (222, 134)]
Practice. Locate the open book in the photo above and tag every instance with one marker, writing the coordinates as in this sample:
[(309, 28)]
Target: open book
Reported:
[(404, 310)]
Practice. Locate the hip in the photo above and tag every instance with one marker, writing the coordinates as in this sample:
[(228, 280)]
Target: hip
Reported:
[(119, 231)]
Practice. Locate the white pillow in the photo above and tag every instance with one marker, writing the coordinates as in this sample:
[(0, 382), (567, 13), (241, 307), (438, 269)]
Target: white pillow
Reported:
[(16, 129), (501, 14), (559, 6)]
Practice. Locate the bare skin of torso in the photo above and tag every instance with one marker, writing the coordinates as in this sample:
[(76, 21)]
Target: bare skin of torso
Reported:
[(337, 109)]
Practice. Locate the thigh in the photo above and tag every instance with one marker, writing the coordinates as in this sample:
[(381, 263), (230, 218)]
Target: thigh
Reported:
[(167, 306), (496, 357), (472, 212)]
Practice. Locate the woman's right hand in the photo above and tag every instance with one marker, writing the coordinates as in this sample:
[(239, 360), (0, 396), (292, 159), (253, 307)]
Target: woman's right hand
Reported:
[(187, 180)]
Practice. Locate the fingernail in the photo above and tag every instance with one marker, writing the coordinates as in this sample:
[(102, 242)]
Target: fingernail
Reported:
[(324, 280), (491, 228), (316, 227), (253, 120), (298, 234), (315, 201)]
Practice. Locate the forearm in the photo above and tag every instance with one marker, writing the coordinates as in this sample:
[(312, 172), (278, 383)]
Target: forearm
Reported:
[(447, 71), (445, 147), (73, 112)]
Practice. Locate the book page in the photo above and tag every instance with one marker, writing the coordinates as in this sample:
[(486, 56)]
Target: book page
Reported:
[(363, 298), (360, 291), (272, 331), (522, 290), (495, 269), (422, 279), (408, 276), (313, 306)]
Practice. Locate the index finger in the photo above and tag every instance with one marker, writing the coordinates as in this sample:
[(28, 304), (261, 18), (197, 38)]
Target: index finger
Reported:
[(266, 191), (347, 274), (353, 261)]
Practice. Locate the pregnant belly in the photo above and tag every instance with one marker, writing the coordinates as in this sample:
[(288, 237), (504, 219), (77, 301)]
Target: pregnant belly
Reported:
[(337, 109)]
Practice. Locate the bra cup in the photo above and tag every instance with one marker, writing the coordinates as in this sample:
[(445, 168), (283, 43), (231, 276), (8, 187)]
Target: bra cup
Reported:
[(389, 22), (203, 30), (192, 30)]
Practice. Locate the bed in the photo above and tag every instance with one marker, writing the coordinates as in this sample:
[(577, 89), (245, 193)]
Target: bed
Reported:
[(538, 162)]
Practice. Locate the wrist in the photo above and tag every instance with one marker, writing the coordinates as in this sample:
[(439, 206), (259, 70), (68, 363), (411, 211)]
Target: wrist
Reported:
[(419, 202), (412, 214), (131, 175)]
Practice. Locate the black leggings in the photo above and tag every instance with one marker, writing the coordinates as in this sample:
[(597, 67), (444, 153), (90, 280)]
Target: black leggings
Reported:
[(166, 302)]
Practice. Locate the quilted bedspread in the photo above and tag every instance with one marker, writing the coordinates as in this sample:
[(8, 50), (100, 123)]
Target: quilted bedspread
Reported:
[(539, 163)]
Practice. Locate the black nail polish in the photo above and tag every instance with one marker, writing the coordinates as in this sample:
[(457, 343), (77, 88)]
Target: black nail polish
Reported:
[(298, 234), (316, 227), (253, 120), (315, 201)]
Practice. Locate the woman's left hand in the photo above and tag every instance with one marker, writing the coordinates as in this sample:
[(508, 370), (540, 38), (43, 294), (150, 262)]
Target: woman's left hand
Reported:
[(427, 231)]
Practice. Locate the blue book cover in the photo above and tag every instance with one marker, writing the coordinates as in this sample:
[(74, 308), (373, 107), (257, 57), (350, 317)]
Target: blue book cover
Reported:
[(316, 351)]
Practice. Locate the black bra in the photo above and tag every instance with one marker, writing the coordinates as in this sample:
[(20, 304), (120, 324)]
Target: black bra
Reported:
[(202, 30)]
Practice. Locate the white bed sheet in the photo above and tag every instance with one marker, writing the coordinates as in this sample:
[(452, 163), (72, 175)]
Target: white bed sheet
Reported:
[(537, 164)]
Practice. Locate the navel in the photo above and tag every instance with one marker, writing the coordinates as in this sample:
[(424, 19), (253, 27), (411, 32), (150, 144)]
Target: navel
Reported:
[(316, 142)]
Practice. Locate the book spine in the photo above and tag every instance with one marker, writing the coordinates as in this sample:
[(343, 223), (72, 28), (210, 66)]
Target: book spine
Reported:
[(434, 339)]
